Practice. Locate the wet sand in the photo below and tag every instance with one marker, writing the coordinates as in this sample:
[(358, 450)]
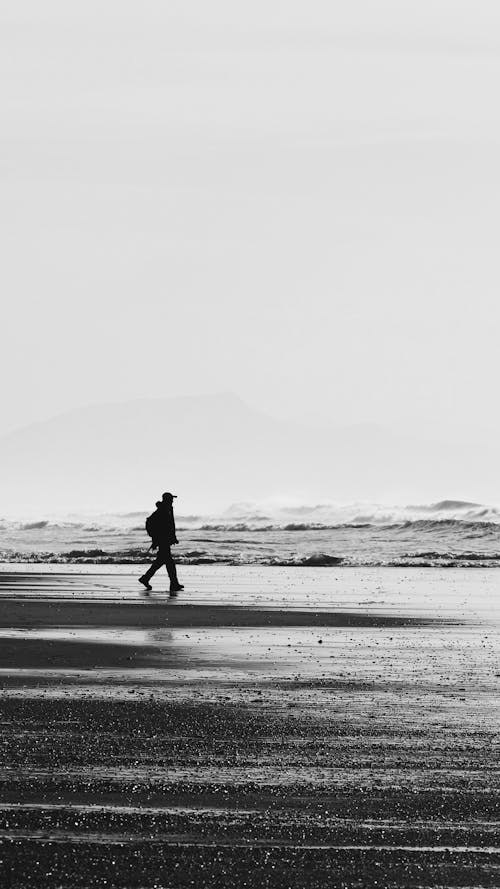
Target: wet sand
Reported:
[(267, 728)]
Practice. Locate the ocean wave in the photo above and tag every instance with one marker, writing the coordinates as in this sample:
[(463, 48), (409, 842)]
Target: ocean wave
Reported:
[(421, 559), (274, 517), (458, 562), (332, 516), (431, 525), (319, 560), (315, 526), (233, 528), (447, 505), (436, 556), (139, 557), (46, 524), (34, 526), (293, 527)]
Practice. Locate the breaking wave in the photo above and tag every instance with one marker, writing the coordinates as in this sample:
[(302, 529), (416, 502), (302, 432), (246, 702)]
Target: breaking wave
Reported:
[(252, 517), (430, 559), (33, 526)]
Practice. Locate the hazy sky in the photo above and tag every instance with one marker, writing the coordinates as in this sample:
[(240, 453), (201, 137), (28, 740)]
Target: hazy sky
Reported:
[(298, 201)]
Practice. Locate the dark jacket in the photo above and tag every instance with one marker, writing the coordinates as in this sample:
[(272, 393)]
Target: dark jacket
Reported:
[(164, 526)]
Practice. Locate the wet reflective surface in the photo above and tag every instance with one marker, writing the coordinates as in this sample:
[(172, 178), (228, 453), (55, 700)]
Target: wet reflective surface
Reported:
[(265, 728)]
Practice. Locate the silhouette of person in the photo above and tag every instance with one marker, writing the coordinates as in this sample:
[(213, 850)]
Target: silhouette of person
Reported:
[(161, 526)]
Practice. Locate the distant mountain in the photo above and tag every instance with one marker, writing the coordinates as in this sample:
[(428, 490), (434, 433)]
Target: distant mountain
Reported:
[(214, 450)]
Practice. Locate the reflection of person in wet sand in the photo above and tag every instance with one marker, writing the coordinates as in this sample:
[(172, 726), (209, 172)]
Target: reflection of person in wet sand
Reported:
[(160, 526)]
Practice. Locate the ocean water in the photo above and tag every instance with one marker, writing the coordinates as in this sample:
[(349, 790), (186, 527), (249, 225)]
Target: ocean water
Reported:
[(446, 534)]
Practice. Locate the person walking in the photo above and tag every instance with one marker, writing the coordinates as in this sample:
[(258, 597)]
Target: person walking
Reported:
[(160, 526)]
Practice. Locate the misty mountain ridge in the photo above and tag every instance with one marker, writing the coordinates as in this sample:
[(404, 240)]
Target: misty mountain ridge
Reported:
[(215, 450)]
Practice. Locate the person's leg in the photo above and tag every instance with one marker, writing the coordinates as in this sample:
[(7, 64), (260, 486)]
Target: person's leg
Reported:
[(171, 569), (158, 562)]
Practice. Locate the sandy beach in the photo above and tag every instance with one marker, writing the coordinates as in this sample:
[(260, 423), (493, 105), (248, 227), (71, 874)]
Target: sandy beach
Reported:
[(269, 727)]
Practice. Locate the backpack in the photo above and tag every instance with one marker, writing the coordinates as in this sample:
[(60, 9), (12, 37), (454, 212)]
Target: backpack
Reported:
[(152, 524)]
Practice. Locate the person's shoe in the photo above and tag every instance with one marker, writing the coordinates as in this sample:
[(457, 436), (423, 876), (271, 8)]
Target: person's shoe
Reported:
[(146, 583), (176, 588)]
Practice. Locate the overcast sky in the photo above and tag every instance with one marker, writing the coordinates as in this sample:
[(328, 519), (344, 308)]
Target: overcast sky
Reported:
[(297, 201)]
